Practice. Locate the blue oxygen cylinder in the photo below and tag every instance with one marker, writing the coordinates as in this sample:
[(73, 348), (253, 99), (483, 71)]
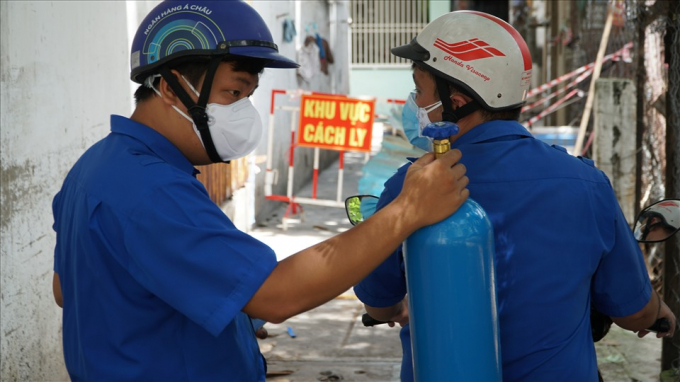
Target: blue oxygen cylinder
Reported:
[(452, 296)]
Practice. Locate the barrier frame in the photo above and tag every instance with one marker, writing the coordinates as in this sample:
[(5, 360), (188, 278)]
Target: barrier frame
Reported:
[(271, 176)]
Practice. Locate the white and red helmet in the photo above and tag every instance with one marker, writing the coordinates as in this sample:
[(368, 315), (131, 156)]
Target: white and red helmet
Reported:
[(670, 209), (665, 213), (479, 53)]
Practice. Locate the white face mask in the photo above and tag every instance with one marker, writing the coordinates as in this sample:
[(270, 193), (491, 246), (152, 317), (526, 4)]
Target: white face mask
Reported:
[(236, 129)]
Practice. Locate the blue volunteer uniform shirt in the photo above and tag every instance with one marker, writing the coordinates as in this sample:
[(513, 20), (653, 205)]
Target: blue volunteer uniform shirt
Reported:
[(153, 274), (561, 240)]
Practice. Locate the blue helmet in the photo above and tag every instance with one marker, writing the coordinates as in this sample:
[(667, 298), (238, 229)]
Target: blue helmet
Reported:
[(176, 30)]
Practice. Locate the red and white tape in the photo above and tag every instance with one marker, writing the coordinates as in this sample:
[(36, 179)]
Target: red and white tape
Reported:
[(560, 91), (552, 107), (625, 51)]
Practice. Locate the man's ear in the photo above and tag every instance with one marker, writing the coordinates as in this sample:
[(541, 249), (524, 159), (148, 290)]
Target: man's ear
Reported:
[(458, 100), (167, 94)]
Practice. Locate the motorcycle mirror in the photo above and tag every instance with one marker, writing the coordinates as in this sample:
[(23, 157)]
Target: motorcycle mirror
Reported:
[(658, 222), (360, 207)]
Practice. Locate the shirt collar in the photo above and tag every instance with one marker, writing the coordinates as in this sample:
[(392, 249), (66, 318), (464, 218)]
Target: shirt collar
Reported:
[(491, 130), (153, 140)]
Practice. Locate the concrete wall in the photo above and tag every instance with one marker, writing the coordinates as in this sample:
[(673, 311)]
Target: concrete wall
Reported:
[(614, 143), (64, 69)]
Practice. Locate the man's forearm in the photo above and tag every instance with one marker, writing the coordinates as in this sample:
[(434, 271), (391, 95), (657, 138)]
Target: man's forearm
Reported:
[(643, 318), (329, 268), (56, 290), (386, 313)]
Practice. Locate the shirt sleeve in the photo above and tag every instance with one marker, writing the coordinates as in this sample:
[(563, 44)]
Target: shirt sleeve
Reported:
[(386, 285), (621, 284), (186, 251)]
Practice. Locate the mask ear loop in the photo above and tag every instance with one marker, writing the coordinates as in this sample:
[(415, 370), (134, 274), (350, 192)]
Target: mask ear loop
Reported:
[(148, 82), (432, 107), (197, 110)]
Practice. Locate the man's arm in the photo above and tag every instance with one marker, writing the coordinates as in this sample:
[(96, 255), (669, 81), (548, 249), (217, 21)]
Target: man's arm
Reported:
[(319, 273), (645, 317), (396, 313), (56, 290)]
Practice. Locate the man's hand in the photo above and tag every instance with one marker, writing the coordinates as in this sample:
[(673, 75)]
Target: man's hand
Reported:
[(434, 189), (261, 333), (664, 312), (401, 318), (397, 313)]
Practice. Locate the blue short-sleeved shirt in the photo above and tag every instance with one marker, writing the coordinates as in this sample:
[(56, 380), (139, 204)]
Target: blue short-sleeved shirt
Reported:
[(560, 240), (153, 274)]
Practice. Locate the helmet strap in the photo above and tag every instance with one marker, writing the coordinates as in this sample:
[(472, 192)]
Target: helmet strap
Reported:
[(449, 114), (197, 110)]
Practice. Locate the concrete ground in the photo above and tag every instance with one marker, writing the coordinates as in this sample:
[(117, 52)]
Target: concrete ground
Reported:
[(329, 343)]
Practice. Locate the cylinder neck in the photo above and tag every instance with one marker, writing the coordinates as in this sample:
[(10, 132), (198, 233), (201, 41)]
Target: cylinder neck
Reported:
[(440, 147)]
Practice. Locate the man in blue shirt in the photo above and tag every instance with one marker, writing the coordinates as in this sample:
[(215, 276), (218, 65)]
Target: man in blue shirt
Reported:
[(561, 241), (155, 281)]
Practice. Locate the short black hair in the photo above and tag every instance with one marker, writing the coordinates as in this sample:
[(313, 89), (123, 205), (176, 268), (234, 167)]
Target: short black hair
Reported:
[(487, 115), (195, 69)]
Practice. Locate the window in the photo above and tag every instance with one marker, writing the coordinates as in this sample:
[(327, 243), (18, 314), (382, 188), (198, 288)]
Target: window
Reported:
[(378, 26)]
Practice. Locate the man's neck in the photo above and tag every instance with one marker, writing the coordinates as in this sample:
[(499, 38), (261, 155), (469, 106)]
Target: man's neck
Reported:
[(466, 124), (142, 114), (173, 127)]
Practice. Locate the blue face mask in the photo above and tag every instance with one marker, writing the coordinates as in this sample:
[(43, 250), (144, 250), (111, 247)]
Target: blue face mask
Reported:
[(414, 119)]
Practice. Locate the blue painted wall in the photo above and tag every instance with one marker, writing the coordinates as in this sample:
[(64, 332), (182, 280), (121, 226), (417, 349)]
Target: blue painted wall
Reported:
[(381, 83)]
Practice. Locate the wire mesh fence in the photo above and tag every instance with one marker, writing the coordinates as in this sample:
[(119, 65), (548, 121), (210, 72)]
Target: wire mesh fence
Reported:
[(660, 77), (671, 277), (576, 40)]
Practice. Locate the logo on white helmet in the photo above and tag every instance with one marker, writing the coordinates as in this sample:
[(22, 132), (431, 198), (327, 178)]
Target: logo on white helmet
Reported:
[(468, 50)]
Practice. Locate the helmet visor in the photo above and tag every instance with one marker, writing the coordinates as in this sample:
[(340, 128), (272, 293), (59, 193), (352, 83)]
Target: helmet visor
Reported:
[(276, 59), (412, 51)]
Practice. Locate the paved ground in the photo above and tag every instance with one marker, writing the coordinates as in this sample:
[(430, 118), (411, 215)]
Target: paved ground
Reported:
[(622, 356), (330, 342)]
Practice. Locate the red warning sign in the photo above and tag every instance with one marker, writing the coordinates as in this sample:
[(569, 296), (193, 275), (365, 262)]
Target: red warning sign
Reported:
[(336, 122)]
